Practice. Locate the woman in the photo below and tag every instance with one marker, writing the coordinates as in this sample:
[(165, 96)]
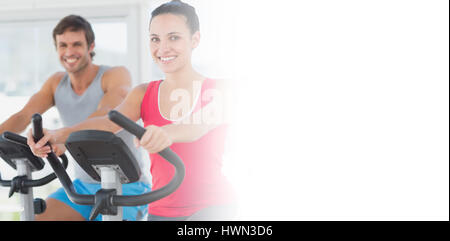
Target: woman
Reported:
[(182, 111)]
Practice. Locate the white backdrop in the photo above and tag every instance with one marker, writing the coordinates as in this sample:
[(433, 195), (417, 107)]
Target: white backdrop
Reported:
[(343, 109), (340, 108)]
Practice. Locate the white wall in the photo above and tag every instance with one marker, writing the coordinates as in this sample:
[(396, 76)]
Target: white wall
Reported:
[(342, 107), (133, 11)]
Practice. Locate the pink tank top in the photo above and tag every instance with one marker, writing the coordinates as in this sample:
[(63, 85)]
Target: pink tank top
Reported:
[(204, 184)]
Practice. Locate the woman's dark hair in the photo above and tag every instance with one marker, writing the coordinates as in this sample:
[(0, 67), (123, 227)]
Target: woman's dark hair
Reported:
[(179, 8), (75, 23)]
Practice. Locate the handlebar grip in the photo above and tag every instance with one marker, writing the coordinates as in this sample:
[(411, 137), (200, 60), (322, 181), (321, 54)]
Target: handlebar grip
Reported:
[(38, 132), (126, 123)]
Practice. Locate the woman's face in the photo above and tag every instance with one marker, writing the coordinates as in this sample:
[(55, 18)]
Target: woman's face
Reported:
[(171, 42)]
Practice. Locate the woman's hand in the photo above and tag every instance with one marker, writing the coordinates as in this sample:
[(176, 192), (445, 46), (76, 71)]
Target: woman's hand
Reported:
[(154, 140), (58, 149)]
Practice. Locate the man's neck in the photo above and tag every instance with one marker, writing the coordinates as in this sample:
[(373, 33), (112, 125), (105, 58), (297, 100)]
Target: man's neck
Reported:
[(81, 80)]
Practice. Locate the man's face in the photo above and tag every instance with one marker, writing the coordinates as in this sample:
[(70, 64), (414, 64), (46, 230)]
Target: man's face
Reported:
[(73, 51)]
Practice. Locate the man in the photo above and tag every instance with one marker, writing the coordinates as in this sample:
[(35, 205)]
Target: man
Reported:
[(84, 91)]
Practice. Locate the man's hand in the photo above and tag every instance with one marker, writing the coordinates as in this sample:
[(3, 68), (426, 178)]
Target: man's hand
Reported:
[(40, 149)]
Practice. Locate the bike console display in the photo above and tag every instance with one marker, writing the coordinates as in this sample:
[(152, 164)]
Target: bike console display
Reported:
[(93, 149)]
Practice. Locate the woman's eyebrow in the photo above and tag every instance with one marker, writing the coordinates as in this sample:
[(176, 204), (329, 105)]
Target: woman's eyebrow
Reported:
[(171, 33)]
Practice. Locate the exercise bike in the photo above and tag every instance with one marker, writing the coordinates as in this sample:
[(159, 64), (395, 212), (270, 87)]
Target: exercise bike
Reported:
[(107, 159), (15, 151)]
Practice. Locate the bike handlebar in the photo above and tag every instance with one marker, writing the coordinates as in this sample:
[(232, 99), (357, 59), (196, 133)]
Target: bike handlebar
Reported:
[(20, 140), (167, 154), (62, 175), (116, 200)]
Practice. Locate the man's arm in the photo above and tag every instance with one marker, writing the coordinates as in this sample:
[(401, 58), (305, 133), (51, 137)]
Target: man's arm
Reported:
[(130, 107), (40, 102), (116, 84)]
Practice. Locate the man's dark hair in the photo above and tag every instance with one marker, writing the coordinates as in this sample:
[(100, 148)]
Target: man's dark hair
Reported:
[(75, 23)]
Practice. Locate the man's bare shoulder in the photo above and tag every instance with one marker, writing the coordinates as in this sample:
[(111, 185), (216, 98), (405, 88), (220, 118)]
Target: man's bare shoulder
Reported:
[(140, 89), (117, 75), (117, 71), (54, 79), (57, 76)]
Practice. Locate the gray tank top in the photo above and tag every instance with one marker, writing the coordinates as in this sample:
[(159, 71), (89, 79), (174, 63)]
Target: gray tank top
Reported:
[(74, 109)]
